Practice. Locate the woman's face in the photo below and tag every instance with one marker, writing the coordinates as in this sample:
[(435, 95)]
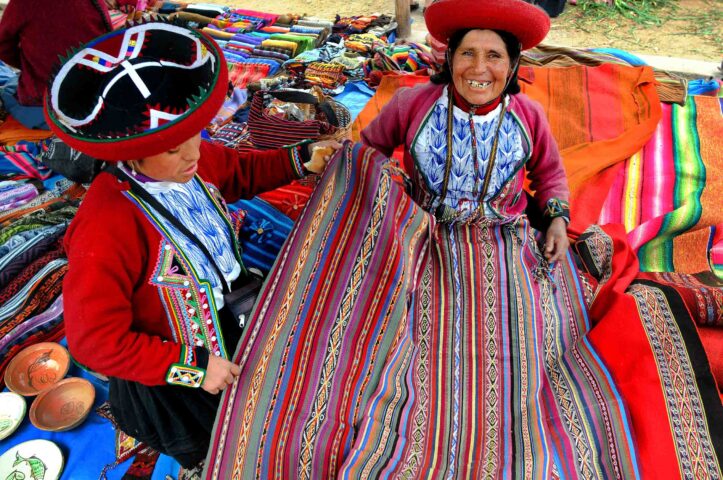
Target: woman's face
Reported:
[(480, 66), (176, 165)]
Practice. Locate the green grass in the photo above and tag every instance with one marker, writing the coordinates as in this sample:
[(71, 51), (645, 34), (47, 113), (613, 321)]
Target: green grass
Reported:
[(623, 20), (647, 12)]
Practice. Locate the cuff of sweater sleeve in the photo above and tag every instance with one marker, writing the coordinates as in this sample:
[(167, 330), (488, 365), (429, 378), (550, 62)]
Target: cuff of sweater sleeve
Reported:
[(190, 370), (556, 207), (299, 155)]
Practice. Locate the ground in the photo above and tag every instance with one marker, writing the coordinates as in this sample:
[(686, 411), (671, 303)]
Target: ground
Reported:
[(689, 29)]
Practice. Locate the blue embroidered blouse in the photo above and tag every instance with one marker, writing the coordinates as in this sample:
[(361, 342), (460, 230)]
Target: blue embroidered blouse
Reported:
[(191, 206), (467, 173)]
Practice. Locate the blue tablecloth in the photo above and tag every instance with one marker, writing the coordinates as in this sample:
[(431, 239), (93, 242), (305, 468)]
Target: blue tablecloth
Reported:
[(88, 448)]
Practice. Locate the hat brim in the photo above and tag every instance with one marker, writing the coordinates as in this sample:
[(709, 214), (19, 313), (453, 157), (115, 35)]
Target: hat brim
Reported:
[(157, 140), (525, 21)]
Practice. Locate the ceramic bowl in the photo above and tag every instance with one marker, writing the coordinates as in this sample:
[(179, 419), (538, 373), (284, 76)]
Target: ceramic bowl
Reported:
[(33, 459), (12, 412), (63, 406), (36, 368)]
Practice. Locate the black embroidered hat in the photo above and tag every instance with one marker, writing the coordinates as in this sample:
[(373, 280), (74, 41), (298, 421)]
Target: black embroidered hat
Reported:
[(137, 92)]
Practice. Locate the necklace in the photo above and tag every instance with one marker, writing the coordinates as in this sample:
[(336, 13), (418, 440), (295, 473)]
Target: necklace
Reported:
[(444, 213)]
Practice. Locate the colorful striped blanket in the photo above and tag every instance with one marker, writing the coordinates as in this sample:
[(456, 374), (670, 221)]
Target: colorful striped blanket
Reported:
[(669, 194), (327, 353), (645, 335)]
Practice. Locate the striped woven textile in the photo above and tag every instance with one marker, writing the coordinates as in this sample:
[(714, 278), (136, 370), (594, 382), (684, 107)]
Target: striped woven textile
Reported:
[(701, 293), (269, 131), (380, 347), (645, 334), (117, 18), (599, 116), (241, 74), (269, 18), (23, 159), (669, 194)]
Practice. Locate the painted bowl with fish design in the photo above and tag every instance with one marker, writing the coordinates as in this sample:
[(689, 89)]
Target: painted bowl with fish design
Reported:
[(12, 412), (63, 406), (36, 368), (32, 460)]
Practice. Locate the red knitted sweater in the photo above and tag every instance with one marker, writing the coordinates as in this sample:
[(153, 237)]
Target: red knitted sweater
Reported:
[(128, 290)]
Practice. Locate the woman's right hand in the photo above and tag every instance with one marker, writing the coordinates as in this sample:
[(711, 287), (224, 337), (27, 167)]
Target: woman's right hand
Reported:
[(220, 373)]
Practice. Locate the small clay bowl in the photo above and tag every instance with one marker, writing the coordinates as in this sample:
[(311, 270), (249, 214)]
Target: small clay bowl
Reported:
[(12, 412), (36, 368), (63, 406)]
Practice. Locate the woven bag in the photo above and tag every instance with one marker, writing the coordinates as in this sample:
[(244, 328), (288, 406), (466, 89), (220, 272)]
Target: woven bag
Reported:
[(328, 119)]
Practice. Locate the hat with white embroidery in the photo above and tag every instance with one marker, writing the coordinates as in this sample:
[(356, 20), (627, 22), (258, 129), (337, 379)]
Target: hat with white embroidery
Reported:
[(137, 92)]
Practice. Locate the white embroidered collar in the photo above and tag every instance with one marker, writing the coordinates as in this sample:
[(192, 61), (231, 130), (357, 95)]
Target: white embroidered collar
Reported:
[(155, 187)]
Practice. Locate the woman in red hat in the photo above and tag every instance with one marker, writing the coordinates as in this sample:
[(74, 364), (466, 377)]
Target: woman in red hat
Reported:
[(514, 396), (153, 251)]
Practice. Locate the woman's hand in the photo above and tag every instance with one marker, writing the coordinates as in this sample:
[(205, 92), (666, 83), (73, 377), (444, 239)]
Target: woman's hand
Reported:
[(556, 242), (321, 153), (220, 373)]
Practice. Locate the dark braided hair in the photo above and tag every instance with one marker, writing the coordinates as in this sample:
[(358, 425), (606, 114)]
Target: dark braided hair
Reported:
[(513, 50)]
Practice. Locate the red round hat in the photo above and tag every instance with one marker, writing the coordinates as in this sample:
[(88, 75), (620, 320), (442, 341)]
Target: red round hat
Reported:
[(137, 92), (525, 21)]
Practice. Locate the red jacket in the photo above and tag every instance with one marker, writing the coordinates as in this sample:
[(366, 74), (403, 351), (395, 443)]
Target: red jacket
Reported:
[(129, 294), (34, 33)]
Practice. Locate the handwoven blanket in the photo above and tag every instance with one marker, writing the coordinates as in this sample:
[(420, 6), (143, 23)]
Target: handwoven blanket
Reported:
[(381, 346), (669, 194), (645, 335)]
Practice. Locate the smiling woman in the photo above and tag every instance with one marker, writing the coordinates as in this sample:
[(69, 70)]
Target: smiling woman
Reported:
[(470, 139), (482, 66)]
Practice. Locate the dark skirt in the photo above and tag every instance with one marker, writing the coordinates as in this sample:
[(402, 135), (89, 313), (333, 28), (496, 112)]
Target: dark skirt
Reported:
[(174, 420)]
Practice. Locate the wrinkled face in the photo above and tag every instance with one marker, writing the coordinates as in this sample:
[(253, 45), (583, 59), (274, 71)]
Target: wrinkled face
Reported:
[(480, 66), (177, 165)]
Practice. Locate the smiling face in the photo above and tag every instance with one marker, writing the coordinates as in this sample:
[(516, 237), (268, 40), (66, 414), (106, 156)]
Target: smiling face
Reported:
[(176, 165), (480, 66)]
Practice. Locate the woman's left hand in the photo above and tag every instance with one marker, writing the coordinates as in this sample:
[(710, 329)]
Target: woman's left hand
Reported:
[(556, 241), (321, 153)]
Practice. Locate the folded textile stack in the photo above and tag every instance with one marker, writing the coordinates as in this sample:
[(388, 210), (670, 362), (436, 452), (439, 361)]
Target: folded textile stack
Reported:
[(33, 264), (378, 25), (412, 58), (22, 160), (256, 44)]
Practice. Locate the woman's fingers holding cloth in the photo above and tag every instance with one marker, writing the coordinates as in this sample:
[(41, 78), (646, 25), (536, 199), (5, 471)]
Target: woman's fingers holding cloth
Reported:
[(556, 241), (219, 374)]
